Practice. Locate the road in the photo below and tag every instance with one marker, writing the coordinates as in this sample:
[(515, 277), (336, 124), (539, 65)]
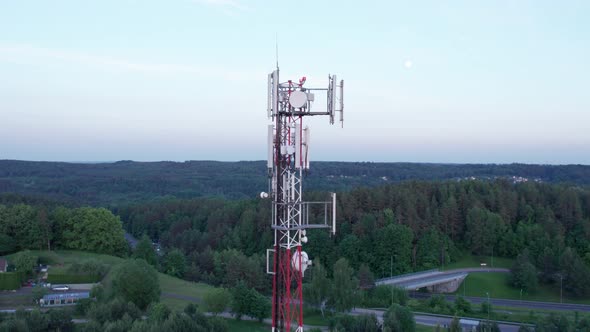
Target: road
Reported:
[(512, 303), (431, 320), (434, 277)]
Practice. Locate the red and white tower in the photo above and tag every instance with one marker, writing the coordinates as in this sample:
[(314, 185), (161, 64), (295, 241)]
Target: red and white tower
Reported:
[(288, 156)]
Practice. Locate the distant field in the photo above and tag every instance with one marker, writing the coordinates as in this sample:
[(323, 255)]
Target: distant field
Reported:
[(477, 284)]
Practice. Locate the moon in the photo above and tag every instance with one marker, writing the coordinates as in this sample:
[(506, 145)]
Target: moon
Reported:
[(408, 64)]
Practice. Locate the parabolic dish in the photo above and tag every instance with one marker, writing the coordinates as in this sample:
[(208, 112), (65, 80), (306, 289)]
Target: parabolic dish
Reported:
[(298, 99)]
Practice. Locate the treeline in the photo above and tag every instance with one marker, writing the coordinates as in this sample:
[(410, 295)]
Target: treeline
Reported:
[(123, 182), (401, 228), (24, 226)]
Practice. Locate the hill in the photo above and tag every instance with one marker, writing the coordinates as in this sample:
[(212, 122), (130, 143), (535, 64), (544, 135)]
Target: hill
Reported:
[(122, 182)]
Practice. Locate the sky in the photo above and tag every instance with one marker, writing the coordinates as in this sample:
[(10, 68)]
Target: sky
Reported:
[(425, 81)]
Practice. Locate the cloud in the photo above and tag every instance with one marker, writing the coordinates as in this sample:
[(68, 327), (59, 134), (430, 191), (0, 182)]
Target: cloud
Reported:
[(32, 54)]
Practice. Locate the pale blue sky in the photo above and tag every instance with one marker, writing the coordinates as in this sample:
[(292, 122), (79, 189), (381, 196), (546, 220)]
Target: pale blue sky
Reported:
[(489, 81)]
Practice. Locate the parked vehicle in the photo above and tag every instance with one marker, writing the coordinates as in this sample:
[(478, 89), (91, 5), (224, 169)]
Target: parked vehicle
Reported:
[(60, 288)]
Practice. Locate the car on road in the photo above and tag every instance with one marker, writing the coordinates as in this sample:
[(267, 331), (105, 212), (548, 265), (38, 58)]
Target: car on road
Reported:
[(60, 288)]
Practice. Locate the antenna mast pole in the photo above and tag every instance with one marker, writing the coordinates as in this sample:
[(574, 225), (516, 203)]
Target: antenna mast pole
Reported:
[(288, 145)]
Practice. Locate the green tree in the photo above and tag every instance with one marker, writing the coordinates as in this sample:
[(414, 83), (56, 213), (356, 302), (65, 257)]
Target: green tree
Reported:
[(523, 274), (38, 292), (175, 263), (318, 290), (241, 297), (399, 319), (392, 249), (136, 281), (7, 245), (367, 323), (455, 325), (217, 300), (575, 273), (91, 229), (145, 250), (60, 320), (553, 322), (247, 301), (37, 321), (259, 306), (25, 262), (343, 293), (430, 250), (159, 312), (483, 230), (462, 306), (365, 277)]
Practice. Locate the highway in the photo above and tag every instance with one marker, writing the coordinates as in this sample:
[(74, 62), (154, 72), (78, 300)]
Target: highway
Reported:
[(512, 303), (432, 320)]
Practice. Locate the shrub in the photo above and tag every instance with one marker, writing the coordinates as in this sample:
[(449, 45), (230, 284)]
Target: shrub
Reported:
[(9, 281), (72, 278)]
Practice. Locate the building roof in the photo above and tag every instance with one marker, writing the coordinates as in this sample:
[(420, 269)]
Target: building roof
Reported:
[(79, 295), (3, 264)]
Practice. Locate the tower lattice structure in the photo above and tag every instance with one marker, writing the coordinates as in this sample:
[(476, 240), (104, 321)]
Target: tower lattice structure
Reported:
[(288, 149)]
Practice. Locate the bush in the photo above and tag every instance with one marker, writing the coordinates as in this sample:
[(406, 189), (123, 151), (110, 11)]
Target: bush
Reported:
[(217, 300), (72, 278), (399, 319), (382, 296), (9, 281), (462, 306), (439, 304)]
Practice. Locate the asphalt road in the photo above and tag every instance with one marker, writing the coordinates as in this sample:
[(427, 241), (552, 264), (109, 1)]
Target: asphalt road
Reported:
[(432, 277), (429, 320), (512, 303)]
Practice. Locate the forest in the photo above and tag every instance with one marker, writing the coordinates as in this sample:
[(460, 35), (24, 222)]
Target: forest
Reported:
[(399, 228), (123, 182)]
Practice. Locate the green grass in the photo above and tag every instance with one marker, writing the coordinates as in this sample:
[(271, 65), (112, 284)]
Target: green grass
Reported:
[(314, 317), (177, 305), (61, 259), (469, 260), (477, 284), (173, 285)]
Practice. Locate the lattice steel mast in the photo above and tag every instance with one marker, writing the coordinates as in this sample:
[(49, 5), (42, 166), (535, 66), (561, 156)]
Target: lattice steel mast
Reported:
[(288, 147)]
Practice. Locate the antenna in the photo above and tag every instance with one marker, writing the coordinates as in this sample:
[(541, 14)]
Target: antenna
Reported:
[(288, 157), (277, 48)]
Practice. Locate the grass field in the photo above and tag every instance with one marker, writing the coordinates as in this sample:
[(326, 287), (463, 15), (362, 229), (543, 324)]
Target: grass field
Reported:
[(469, 260), (477, 284), (60, 259)]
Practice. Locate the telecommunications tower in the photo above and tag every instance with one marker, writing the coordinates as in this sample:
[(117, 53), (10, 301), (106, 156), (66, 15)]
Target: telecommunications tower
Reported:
[(288, 156)]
